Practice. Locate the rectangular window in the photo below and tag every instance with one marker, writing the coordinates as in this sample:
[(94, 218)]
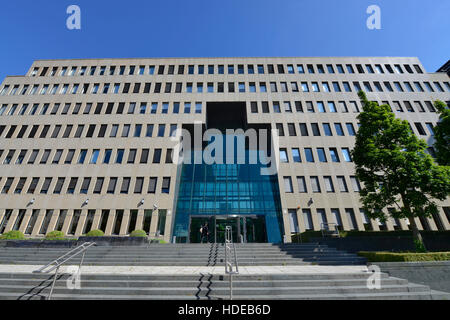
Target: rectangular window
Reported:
[(85, 185), (132, 156), (304, 130), (302, 185), (125, 185), (321, 153), (157, 156), (107, 157), (72, 185), (346, 154), (144, 156), (350, 129), (315, 185), (293, 221), (166, 185), (355, 184), (296, 155), (138, 185), (119, 157), (99, 185), (309, 155), (283, 156), (307, 219), (329, 184), (112, 185), (342, 184), (288, 185), (152, 185), (334, 155)]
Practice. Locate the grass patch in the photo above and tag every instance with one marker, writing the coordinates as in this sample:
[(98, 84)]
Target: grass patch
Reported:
[(404, 256)]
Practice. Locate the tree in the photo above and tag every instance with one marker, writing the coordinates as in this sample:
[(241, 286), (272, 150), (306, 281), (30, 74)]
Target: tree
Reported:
[(394, 168), (442, 134)]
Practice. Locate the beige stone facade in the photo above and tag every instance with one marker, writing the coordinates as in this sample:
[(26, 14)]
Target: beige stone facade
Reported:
[(29, 104)]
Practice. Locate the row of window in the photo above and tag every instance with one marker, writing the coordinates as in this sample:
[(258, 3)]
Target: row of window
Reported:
[(82, 156), (315, 186), (309, 155), (132, 108), (91, 131), (161, 130), (322, 221), (164, 108), (328, 131), (222, 69), (141, 184), (219, 87), (117, 219)]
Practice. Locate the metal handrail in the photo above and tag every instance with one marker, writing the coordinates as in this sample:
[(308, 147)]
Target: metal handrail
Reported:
[(327, 227), (231, 263), (57, 263)]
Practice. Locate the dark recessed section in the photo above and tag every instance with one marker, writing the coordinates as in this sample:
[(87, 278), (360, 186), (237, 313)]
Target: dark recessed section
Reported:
[(226, 115)]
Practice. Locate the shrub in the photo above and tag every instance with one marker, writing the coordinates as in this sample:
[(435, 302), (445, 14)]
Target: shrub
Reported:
[(404, 257), (138, 234), (55, 235), (420, 247), (95, 233), (158, 241), (13, 235)]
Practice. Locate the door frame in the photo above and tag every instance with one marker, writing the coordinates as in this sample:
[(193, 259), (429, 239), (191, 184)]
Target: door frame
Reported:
[(224, 217)]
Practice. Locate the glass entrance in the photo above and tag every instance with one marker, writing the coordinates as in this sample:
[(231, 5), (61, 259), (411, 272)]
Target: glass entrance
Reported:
[(246, 229)]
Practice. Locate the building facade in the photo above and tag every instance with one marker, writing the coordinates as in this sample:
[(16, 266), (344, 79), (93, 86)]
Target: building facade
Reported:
[(93, 144)]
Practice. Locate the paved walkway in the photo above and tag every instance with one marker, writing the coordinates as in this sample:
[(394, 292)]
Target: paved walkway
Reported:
[(197, 270)]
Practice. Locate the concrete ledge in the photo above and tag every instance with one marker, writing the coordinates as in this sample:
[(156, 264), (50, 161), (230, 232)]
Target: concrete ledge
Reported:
[(433, 243), (115, 241), (433, 273), (38, 244), (101, 241)]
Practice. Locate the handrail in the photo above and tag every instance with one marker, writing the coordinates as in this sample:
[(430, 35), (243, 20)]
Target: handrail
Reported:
[(327, 227), (56, 264), (231, 263)]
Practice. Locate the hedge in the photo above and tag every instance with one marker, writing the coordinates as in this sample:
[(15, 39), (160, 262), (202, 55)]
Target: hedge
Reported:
[(13, 235), (138, 234), (306, 236), (55, 235), (95, 233), (404, 257)]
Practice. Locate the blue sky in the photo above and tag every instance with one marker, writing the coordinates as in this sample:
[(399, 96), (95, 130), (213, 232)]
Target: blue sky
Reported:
[(221, 28)]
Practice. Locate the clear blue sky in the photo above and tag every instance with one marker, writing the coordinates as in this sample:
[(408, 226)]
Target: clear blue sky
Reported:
[(36, 29)]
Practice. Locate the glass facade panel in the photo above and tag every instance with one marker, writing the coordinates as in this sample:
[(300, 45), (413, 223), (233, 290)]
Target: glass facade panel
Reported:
[(228, 190)]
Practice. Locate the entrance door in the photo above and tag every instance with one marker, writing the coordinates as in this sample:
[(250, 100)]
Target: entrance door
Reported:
[(254, 228), (196, 224), (221, 223), (247, 229)]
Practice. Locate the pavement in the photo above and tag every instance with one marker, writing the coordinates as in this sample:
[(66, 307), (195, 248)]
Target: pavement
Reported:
[(177, 270)]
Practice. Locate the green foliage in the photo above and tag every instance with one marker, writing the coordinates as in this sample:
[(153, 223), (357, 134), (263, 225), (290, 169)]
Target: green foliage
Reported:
[(310, 236), (55, 235), (13, 235), (138, 234), (442, 134), (394, 168), (95, 233), (420, 247), (158, 241), (404, 257)]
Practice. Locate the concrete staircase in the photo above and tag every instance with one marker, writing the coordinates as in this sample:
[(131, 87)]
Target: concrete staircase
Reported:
[(100, 284), (212, 287), (189, 255)]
